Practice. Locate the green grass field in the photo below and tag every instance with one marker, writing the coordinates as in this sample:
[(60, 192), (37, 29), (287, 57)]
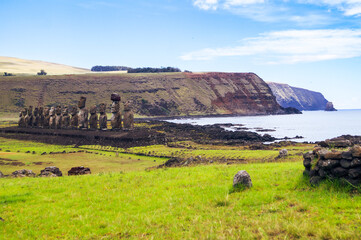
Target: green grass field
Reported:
[(179, 203)]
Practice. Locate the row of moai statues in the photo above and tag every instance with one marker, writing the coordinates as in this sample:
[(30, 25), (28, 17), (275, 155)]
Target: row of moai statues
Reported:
[(58, 117)]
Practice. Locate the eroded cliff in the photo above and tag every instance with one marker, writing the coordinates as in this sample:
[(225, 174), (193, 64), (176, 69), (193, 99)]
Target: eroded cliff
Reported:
[(302, 99), (152, 94)]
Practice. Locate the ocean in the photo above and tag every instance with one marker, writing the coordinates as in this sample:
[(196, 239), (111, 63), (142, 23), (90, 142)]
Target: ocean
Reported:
[(311, 125)]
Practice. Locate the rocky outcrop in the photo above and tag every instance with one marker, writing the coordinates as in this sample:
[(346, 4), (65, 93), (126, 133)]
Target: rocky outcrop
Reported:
[(151, 94), (302, 99), (329, 107), (79, 171)]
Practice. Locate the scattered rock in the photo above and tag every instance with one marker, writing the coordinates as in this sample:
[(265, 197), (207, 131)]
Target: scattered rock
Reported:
[(51, 172), (1, 175), (79, 171), (242, 178), (23, 173), (282, 153)]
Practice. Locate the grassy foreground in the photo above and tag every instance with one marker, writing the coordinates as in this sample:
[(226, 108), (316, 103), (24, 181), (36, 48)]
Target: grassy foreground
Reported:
[(179, 203)]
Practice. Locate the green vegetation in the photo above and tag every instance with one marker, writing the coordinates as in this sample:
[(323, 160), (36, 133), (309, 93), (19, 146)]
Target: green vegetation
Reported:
[(179, 203)]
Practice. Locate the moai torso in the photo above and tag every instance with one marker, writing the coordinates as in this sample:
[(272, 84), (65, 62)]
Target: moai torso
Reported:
[(36, 117), (46, 117), (58, 118), (116, 119), (83, 114), (103, 117), (65, 118), (29, 117), (128, 122), (22, 122), (52, 118), (74, 122), (93, 120), (41, 117)]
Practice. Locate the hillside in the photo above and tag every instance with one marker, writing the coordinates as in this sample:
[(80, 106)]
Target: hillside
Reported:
[(31, 67), (152, 94), (302, 99)]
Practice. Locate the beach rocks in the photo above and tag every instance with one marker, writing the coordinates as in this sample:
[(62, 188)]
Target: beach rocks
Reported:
[(79, 171), (323, 163), (242, 178), (51, 172), (23, 173)]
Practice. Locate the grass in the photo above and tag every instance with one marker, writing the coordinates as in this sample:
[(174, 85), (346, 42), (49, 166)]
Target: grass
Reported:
[(15, 155), (179, 203)]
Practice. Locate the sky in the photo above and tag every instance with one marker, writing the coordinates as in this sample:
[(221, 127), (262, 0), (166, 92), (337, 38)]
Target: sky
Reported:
[(312, 44)]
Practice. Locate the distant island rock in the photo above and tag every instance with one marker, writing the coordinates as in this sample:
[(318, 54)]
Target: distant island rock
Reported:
[(329, 107), (302, 99)]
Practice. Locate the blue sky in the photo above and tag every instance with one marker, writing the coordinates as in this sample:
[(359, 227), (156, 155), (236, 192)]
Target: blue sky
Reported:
[(314, 44)]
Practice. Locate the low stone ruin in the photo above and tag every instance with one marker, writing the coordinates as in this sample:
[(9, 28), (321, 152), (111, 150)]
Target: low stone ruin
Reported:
[(58, 117), (322, 163), (79, 171)]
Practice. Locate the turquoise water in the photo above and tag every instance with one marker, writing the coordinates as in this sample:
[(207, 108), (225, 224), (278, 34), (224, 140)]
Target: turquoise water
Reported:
[(312, 125)]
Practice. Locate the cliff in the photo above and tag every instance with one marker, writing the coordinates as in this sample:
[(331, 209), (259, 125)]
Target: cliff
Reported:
[(302, 99), (152, 94)]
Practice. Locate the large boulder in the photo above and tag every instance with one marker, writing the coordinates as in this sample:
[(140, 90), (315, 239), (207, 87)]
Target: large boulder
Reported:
[(51, 172), (242, 178), (23, 173), (79, 171)]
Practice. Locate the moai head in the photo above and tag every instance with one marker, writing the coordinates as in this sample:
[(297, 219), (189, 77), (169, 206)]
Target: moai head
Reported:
[(52, 111), (93, 110), (58, 110), (41, 111), (36, 111), (30, 110), (81, 103), (127, 106), (102, 108), (65, 111), (46, 111), (74, 111), (115, 107)]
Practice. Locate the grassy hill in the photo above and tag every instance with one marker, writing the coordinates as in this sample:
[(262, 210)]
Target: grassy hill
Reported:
[(152, 94), (32, 67)]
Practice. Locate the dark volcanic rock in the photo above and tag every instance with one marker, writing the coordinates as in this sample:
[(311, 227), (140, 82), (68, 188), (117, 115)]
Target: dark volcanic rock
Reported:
[(315, 180), (339, 172), (51, 172), (242, 178), (79, 171), (23, 173)]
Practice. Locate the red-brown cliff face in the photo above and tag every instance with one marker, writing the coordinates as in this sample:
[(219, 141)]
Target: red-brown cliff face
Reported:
[(152, 94), (239, 93)]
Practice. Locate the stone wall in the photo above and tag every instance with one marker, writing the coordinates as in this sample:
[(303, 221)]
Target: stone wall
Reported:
[(322, 163)]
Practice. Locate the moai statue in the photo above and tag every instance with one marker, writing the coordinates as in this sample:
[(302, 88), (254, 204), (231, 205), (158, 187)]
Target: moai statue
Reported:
[(52, 118), (116, 120), (93, 120), (22, 122), (65, 118), (83, 114), (74, 122), (103, 117), (36, 117), (46, 123), (58, 117), (128, 122), (41, 117), (29, 117)]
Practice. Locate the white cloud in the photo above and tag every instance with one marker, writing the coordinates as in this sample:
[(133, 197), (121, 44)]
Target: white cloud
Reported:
[(292, 46), (206, 4), (349, 7)]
